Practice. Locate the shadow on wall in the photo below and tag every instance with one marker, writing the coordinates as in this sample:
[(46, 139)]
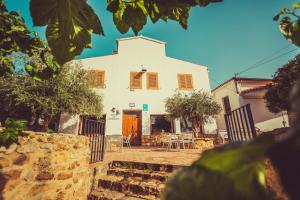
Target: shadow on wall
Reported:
[(69, 129), (68, 124), (3, 182)]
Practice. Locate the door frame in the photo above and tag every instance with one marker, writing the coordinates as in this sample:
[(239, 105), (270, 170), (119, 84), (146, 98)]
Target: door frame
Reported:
[(138, 113)]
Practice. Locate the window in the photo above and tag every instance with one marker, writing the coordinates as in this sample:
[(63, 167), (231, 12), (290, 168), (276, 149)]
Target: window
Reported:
[(226, 105), (135, 80), (96, 78), (161, 124), (185, 125), (152, 80), (185, 82)]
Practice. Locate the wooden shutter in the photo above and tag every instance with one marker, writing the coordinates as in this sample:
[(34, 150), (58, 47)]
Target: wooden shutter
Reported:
[(152, 80), (181, 81), (185, 82), (96, 78), (189, 81), (135, 80)]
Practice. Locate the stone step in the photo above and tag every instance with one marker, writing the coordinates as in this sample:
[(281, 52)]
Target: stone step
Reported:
[(131, 185), (144, 174), (143, 166), (105, 194)]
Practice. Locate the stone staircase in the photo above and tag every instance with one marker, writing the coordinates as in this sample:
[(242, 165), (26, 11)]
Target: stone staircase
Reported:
[(132, 180)]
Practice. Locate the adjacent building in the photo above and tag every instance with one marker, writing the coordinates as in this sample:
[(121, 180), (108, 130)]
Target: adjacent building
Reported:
[(237, 92), (135, 82)]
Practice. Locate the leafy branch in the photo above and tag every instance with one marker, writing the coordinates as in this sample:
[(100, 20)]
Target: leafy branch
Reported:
[(70, 23), (289, 24)]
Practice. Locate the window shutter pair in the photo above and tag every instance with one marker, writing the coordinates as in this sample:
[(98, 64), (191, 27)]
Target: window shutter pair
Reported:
[(152, 80), (96, 78), (185, 82)]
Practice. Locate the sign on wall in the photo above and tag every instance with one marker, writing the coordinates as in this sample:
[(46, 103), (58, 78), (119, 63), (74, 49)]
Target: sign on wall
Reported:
[(131, 105), (145, 107)]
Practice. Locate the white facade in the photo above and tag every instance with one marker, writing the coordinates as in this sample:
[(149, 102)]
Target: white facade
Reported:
[(134, 54), (242, 91)]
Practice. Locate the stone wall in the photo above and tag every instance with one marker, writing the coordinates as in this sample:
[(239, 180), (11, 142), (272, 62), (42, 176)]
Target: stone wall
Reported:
[(45, 166)]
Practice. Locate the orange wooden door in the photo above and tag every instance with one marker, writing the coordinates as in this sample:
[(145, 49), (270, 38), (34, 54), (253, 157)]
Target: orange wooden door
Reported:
[(130, 126)]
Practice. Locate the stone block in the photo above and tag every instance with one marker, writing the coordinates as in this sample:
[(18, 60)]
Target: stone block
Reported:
[(27, 148), (4, 162), (20, 160), (27, 175), (42, 176), (11, 148), (2, 149), (64, 175), (12, 174)]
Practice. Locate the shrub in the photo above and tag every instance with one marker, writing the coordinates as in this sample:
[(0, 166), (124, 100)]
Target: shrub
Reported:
[(13, 129)]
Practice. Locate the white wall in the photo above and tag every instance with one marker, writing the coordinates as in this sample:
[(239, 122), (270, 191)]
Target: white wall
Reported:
[(262, 117), (228, 89), (134, 55), (271, 124)]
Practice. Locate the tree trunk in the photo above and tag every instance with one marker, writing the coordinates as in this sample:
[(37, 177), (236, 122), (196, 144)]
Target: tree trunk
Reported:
[(196, 127), (291, 117), (45, 126)]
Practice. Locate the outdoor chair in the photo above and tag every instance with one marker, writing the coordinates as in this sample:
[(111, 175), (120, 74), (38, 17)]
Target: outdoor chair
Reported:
[(126, 140), (188, 138), (173, 140)]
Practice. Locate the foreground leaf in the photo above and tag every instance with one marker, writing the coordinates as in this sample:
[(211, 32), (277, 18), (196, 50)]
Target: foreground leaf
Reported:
[(234, 171), (133, 14), (70, 24)]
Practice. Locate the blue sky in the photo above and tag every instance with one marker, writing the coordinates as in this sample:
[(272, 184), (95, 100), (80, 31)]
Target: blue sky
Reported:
[(226, 37)]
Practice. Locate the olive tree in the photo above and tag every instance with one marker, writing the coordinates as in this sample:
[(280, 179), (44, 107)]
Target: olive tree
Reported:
[(277, 96), (68, 92), (197, 107)]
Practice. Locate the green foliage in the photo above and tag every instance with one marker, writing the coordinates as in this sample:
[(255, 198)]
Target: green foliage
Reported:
[(289, 24), (13, 129), (15, 37), (70, 24), (278, 95), (67, 92), (234, 171), (133, 14), (285, 153), (198, 107)]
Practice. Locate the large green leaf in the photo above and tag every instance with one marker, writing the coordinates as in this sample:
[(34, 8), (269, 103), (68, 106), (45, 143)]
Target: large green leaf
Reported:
[(70, 25), (234, 171), (133, 14)]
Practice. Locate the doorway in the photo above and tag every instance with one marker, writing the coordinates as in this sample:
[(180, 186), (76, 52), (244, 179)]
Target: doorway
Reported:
[(132, 124)]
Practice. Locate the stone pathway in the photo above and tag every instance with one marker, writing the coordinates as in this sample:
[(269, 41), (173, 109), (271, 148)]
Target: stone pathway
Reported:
[(154, 155)]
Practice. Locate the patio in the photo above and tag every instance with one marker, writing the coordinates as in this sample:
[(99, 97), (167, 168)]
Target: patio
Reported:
[(154, 155)]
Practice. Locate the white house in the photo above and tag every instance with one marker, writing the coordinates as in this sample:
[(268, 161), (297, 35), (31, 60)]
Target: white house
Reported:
[(135, 82), (237, 92)]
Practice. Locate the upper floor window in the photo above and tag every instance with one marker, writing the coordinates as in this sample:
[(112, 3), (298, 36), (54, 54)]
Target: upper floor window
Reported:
[(226, 104), (135, 80), (185, 81), (152, 80), (96, 78)]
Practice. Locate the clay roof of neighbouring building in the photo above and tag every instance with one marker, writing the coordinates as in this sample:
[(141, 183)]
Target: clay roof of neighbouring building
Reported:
[(255, 89), (241, 79)]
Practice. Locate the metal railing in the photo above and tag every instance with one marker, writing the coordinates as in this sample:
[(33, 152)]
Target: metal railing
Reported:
[(240, 124), (95, 130)]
